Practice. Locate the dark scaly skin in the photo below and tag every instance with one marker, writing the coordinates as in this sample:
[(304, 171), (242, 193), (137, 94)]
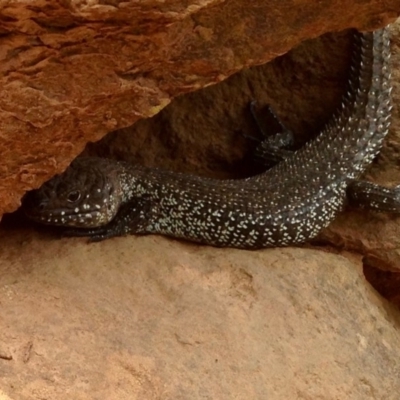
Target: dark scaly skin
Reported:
[(288, 204)]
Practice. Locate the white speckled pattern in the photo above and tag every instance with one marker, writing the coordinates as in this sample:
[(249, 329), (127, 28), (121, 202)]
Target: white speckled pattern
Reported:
[(288, 204)]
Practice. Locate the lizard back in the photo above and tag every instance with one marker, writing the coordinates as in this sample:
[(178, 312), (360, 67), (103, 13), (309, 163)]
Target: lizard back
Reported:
[(288, 204)]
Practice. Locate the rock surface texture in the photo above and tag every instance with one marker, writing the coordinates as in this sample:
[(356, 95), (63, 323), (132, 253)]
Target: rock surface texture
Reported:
[(119, 320), (72, 71), (153, 318)]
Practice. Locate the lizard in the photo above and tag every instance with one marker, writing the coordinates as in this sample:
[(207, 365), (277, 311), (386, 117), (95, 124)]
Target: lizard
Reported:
[(288, 204)]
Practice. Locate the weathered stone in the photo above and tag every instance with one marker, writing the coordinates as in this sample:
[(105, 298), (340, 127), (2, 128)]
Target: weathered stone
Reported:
[(118, 320), (72, 71), (382, 269), (153, 318)]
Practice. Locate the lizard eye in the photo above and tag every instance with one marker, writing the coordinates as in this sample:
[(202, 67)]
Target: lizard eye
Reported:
[(74, 196)]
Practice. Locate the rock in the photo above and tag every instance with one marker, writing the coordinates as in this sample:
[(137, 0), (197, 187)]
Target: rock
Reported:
[(73, 71), (153, 318), (206, 132), (382, 269), (117, 319)]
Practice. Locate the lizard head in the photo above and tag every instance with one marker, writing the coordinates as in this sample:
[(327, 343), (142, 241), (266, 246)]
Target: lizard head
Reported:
[(86, 195)]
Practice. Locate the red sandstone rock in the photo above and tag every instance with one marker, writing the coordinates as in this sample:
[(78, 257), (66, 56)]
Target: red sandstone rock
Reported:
[(72, 71), (118, 320)]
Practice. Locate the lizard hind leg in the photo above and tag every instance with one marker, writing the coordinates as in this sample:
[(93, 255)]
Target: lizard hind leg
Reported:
[(132, 217), (272, 149)]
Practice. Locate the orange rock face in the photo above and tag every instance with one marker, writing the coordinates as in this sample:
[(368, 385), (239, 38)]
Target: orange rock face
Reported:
[(150, 318), (72, 71)]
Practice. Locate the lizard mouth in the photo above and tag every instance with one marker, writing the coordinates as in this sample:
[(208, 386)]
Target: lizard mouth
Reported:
[(48, 209), (67, 217)]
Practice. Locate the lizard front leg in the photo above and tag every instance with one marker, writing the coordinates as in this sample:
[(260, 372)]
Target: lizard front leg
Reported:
[(132, 217)]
